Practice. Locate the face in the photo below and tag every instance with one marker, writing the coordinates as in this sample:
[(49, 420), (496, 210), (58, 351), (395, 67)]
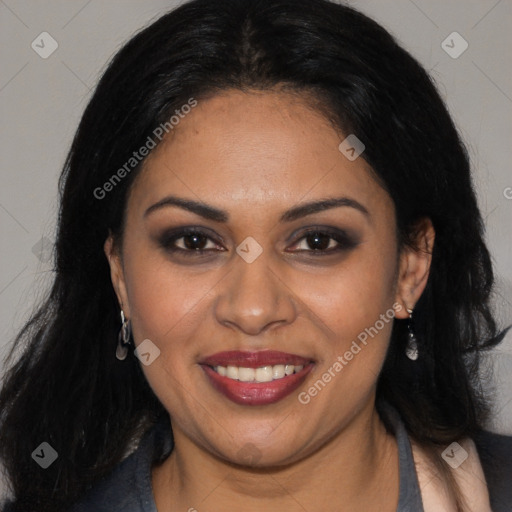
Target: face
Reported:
[(252, 242)]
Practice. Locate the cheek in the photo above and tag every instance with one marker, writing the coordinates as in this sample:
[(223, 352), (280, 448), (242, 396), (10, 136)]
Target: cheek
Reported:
[(352, 296), (355, 304), (166, 305)]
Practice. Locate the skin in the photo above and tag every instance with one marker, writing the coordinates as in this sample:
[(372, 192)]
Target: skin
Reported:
[(255, 155), (469, 477)]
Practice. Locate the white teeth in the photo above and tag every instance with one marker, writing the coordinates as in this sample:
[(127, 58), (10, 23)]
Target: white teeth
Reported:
[(288, 369), (278, 371), (221, 370), (246, 374), (262, 374), (232, 372)]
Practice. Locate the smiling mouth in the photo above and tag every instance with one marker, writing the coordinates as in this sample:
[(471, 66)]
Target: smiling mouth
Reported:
[(256, 378)]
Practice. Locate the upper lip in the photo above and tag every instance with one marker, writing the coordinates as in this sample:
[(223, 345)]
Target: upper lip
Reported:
[(254, 359)]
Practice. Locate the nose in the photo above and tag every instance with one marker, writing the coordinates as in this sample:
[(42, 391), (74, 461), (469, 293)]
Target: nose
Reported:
[(254, 298)]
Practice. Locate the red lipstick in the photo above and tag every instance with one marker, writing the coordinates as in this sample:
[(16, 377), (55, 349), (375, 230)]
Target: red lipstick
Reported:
[(255, 393)]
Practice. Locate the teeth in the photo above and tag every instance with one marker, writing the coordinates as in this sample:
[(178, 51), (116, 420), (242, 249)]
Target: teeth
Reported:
[(262, 374), (232, 372), (246, 374), (278, 371)]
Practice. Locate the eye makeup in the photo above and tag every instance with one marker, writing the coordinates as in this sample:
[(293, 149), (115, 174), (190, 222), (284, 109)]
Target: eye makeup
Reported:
[(197, 242)]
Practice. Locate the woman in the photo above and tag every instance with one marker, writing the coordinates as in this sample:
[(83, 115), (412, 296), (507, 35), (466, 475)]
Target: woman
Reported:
[(271, 282)]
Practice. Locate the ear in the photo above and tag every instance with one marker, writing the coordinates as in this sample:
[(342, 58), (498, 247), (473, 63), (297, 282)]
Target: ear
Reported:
[(113, 255), (414, 266)]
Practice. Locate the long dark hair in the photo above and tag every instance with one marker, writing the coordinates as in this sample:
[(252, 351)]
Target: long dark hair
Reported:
[(68, 389)]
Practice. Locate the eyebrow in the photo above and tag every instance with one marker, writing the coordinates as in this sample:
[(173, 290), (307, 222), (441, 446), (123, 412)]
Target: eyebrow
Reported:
[(211, 213)]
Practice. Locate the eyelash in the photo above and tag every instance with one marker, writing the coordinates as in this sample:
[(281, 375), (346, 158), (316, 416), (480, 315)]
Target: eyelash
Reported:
[(344, 240)]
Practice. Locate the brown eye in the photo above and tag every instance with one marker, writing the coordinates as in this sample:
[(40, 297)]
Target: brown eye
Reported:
[(319, 241), (189, 241), (194, 241), (324, 241)]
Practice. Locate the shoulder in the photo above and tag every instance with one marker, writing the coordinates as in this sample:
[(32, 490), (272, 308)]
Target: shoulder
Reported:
[(128, 487), (495, 452), (481, 466), (115, 492), (461, 461)]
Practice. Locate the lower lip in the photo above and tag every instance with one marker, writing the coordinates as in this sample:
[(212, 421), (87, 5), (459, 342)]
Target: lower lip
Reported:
[(256, 393)]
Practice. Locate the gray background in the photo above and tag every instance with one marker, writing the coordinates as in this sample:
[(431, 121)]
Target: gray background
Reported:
[(41, 101)]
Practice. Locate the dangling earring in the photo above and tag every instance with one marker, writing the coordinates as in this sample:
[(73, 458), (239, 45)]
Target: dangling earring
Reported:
[(411, 350), (123, 339)]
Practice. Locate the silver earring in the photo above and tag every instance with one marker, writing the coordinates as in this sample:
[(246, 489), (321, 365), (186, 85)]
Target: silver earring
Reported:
[(123, 339), (411, 350)]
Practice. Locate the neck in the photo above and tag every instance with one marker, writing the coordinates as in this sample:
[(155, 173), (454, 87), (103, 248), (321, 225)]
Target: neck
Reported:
[(357, 468)]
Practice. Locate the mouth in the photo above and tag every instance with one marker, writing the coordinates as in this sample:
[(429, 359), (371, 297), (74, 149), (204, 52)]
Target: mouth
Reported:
[(256, 378)]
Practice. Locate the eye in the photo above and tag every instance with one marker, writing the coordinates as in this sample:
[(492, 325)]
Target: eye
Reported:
[(193, 241), (323, 241)]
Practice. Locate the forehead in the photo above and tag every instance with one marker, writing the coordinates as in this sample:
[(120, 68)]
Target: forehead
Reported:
[(254, 150)]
